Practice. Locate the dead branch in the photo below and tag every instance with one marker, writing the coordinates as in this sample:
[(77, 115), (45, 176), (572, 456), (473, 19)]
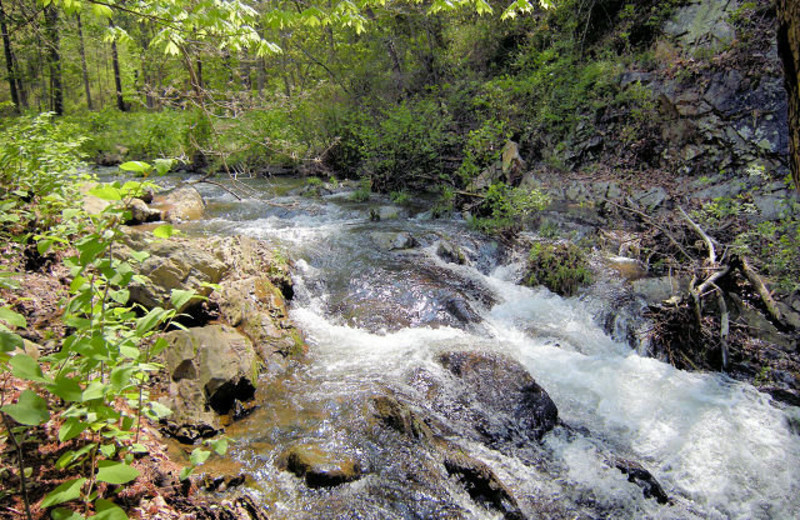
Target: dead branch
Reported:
[(712, 255), (762, 290), (653, 223), (724, 327)]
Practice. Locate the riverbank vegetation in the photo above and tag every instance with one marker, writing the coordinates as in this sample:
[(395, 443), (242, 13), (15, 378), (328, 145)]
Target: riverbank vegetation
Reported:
[(499, 111)]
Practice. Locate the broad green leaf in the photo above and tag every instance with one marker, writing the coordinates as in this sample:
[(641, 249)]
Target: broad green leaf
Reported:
[(163, 166), (95, 390), (135, 166), (69, 490), (220, 446), (43, 246), (129, 352), (199, 456), (62, 513), (164, 231), (108, 450), (106, 192), (186, 472), (9, 341), (139, 256), (149, 321), (121, 296), (25, 367), (71, 428), (67, 389), (30, 409), (102, 11), (121, 377), (180, 297), (72, 456), (90, 248), (159, 410), (107, 510), (12, 318), (115, 472)]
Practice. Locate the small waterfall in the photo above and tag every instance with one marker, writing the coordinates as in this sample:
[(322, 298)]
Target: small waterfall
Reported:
[(377, 318)]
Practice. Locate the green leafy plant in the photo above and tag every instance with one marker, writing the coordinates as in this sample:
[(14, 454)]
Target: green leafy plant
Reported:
[(504, 208), (561, 268)]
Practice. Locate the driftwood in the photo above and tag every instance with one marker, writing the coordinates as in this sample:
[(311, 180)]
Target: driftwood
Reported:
[(712, 255), (763, 292)]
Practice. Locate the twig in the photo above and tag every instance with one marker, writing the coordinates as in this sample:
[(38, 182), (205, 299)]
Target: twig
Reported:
[(21, 464), (724, 326), (654, 224), (711, 280), (766, 297), (712, 254)]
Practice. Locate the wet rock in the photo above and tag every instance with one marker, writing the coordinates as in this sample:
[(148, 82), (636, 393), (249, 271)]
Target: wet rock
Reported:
[(391, 241), (220, 483), (702, 24), (183, 203), (770, 207), (626, 78), (450, 253), (142, 213), (460, 309), (499, 397), (482, 484), (210, 369), (173, 264), (638, 475), (657, 290), (399, 416), (319, 467), (651, 199), (256, 307), (247, 257)]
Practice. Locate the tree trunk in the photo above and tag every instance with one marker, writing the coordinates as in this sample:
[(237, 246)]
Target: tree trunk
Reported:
[(117, 77), (789, 51), (54, 59), (10, 62), (84, 69)]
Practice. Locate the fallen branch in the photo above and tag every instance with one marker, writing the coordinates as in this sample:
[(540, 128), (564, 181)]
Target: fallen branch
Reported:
[(763, 292), (724, 327), (655, 225), (712, 255)]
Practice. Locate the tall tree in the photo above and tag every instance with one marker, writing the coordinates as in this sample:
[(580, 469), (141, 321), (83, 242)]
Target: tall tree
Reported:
[(11, 65), (54, 59), (84, 69), (789, 51), (117, 76)]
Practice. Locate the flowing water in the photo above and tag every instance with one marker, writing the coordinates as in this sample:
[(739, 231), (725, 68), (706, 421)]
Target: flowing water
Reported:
[(376, 318)]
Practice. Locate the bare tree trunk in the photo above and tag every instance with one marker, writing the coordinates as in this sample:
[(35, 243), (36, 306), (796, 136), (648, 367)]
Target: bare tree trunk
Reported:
[(54, 59), (84, 69), (789, 51), (117, 77), (10, 62)]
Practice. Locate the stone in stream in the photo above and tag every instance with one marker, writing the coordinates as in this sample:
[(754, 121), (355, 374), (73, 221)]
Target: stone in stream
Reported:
[(141, 213), (498, 397), (450, 253), (482, 484), (642, 478), (211, 369), (319, 467), (391, 241), (182, 203)]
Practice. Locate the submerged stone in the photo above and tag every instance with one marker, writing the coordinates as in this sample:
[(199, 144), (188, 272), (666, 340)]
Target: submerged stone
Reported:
[(319, 467)]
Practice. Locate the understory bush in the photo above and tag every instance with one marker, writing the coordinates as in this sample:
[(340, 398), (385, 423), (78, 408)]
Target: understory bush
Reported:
[(562, 268)]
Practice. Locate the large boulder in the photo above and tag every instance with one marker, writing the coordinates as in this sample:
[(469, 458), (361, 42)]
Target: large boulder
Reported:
[(498, 396), (256, 307), (173, 264), (141, 213), (211, 369), (182, 203)]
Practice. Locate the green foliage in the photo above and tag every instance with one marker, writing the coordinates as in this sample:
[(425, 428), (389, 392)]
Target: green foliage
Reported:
[(405, 146), (484, 146), (362, 193), (504, 208), (561, 268)]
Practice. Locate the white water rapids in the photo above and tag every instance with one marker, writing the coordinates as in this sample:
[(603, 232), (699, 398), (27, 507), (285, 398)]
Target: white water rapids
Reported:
[(719, 448)]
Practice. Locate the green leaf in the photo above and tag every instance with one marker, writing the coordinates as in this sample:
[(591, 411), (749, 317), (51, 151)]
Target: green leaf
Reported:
[(121, 296), (9, 342), (43, 246), (220, 446), (121, 377), (159, 410), (30, 409), (115, 472), (69, 490), (107, 510), (108, 450), (12, 318), (140, 256), (199, 456), (106, 192), (71, 456), (163, 166), (25, 367), (135, 166), (67, 389), (90, 248), (186, 472), (71, 428), (149, 321), (95, 390), (180, 297), (65, 514), (164, 231)]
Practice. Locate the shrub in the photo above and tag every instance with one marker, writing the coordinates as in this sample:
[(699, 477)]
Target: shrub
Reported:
[(561, 268)]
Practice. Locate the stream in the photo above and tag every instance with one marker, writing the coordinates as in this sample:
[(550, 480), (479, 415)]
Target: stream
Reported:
[(379, 316)]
